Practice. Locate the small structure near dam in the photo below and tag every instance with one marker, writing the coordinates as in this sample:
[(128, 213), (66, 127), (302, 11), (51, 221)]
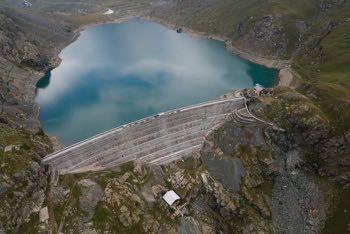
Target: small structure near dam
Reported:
[(159, 139)]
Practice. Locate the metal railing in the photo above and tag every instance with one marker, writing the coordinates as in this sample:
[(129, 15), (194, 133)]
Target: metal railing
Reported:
[(119, 128)]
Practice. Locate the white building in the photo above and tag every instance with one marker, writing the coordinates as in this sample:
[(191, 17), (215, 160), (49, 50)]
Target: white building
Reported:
[(108, 12), (258, 89), (170, 197), (27, 3)]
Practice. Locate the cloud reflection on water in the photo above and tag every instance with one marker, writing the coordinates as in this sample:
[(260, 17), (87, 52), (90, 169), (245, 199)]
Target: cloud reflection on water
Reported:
[(114, 74)]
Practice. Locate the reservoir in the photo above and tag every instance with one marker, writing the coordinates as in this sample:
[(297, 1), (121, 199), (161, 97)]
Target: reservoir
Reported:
[(117, 73)]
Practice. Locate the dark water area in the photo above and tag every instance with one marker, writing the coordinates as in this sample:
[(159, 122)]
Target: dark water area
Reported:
[(117, 73), (44, 82)]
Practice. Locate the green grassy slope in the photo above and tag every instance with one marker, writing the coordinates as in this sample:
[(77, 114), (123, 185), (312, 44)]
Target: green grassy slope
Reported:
[(314, 34), (329, 75), (321, 53)]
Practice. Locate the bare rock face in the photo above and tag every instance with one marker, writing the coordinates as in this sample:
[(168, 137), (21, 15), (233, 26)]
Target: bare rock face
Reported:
[(179, 180), (129, 217), (20, 43), (88, 228), (265, 37), (124, 201), (117, 192), (17, 93), (44, 215), (150, 225), (189, 225), (157, 190), (270, 34), (23, 181), (59, 194), (336, 151), (91, 194), (23, 194), (301, 26), (15, 46), (325, 5), (307, 130)]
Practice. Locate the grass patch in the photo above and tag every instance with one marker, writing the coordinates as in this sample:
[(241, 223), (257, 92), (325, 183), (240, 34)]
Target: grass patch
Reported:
[(104, 177), (338, 206), (30, 227), (58, 211), (102, 216), (191, 165), (168, 183), (128, 166)]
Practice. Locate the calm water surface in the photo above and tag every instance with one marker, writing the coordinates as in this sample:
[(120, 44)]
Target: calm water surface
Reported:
[(117, 73)]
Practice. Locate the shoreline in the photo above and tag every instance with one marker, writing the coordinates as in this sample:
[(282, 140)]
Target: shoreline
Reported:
[(243, 54), (285, 72), (285, 76), (249, 56)]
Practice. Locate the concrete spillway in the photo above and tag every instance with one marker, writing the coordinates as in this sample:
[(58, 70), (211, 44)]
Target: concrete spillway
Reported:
[(159, 139)]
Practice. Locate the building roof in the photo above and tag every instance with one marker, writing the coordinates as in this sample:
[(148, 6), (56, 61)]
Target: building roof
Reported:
[(170, 197), (259, 87)]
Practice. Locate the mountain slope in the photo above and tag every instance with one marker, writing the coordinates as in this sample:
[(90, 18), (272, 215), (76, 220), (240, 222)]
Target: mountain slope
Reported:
[(312, 35)]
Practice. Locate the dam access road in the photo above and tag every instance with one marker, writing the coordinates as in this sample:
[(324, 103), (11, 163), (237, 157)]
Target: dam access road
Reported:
[(159, 139)]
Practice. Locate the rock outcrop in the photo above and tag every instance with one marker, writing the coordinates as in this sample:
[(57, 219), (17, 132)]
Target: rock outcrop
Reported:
[(277, 165), (23, 194), (90, 194)]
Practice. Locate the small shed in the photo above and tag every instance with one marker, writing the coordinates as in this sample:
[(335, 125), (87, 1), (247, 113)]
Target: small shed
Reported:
[(170, 197), (258, 88)]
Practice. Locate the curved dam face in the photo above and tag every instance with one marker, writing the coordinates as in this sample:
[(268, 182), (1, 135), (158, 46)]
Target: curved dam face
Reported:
[(159, 139)]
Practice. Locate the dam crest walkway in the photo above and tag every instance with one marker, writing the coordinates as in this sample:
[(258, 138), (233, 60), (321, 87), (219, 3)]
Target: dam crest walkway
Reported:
[(159, 139)]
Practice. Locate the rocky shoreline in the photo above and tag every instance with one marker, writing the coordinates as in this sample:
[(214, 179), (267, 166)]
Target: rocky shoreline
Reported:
[(254, 208), (286, 73), (270, 63), (285, 76)]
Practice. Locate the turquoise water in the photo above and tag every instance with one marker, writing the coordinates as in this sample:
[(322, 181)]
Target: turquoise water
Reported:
[(117, 73)]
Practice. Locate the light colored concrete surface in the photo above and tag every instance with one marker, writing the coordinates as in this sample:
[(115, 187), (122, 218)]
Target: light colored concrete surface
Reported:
[(158, 139)]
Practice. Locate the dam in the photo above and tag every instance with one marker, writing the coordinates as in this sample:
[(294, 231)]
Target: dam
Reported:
[(107, 78), (159, 139)]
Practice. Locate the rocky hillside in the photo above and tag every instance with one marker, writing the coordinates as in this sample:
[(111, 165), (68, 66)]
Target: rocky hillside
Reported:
[(245, 179), (313, 35)]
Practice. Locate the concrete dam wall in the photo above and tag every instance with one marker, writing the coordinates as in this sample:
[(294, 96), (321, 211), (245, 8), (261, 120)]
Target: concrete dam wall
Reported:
[(159, 139)]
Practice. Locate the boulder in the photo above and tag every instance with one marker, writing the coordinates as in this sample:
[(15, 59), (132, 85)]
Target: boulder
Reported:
[(189, 225), (44, 215), (128, 218), (91, 194), (150, 225), (59, 194), (8, 148)]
